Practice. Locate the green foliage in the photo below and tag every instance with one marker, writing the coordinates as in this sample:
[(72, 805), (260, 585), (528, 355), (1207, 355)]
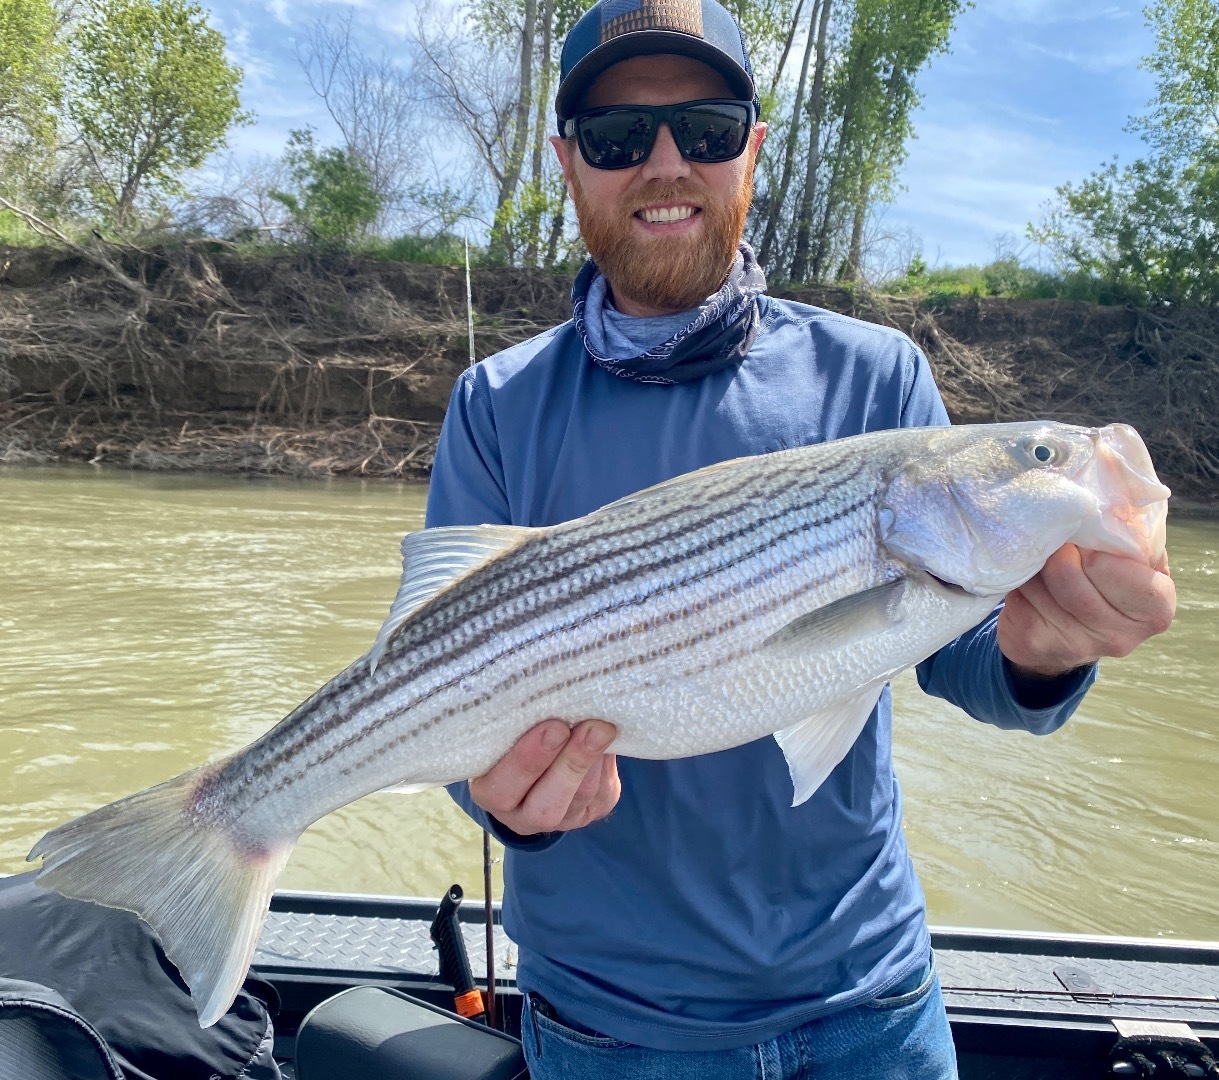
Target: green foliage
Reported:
[(1150, 230), (30, 73), (849, 120), (1184, 116), (444, 249), (151, 94), (1005, 277), (335, 198)]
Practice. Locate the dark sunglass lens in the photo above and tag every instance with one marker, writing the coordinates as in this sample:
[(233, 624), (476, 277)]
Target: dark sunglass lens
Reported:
[(711, 132), (614, 140)]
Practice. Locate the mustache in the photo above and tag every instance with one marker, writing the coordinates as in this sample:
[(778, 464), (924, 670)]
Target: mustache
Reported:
[(662, 191)]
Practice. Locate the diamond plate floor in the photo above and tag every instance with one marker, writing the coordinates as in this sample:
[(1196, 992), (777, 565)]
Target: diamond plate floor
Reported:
[(980, 974), (345, 943)]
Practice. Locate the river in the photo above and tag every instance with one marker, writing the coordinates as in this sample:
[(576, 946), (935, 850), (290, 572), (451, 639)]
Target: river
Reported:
[(150, 622)]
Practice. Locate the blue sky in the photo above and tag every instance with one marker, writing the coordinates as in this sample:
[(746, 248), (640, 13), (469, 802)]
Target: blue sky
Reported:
[(1035, 93)]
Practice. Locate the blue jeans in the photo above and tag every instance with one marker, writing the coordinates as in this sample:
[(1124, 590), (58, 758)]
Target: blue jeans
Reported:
[(904, 1035)]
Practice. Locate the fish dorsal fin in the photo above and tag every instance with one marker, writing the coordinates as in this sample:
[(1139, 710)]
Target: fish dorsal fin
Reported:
[(835, 625), (432, 559), (816, 745)]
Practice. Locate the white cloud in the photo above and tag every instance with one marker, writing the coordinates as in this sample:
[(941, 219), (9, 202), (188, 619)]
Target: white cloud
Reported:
[(967, 184), (1095, 63), (1055, 12)]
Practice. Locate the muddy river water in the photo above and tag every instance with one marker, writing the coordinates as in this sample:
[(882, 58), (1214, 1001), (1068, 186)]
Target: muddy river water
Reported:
[(149, 623)]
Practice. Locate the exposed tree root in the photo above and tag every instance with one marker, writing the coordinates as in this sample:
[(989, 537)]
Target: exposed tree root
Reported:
[(310, 365)]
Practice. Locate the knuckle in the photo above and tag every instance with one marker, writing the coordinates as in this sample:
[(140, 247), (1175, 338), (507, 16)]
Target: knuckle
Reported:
[(488, 799), (547, 819)]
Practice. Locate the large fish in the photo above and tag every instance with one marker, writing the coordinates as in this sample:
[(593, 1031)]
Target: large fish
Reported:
[(767, 595)]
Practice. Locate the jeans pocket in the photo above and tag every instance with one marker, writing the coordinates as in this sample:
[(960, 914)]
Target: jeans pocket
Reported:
[(547, 1025), (909, 991)]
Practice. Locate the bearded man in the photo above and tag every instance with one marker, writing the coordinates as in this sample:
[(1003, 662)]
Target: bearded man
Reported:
[(706, 927)]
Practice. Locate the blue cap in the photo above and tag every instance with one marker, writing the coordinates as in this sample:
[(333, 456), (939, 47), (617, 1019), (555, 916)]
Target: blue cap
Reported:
[(613, 30)]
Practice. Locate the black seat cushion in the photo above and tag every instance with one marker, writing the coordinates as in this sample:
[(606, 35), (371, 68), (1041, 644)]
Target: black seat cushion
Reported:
[(374, 1033)]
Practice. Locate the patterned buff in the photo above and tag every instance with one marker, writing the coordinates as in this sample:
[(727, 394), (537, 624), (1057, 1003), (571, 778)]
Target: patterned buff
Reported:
[(720, 335)]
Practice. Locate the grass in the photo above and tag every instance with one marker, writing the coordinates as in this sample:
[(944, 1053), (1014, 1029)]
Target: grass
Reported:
[(1005, 278)]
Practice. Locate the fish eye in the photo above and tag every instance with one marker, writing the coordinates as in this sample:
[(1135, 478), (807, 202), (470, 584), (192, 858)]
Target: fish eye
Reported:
[(1037, 450)]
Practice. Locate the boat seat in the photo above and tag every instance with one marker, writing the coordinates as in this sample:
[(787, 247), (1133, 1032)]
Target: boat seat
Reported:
[(375, 1033)]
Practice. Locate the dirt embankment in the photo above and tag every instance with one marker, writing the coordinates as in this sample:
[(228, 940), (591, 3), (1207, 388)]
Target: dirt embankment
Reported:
[(305, 365)]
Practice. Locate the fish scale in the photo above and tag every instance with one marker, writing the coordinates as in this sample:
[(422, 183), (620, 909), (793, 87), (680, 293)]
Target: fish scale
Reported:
[(399, 690), (768, 595), (727, 559)]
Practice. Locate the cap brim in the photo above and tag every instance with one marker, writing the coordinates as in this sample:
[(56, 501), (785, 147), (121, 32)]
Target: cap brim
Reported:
[(647, 43)]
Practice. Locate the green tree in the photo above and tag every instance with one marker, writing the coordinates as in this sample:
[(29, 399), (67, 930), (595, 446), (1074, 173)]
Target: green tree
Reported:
[(151, 94), (336, 197), (843, 130), (1150, 230), (30, 76)]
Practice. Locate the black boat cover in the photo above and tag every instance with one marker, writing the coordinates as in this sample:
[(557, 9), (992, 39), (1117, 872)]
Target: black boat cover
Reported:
[(106, 967)]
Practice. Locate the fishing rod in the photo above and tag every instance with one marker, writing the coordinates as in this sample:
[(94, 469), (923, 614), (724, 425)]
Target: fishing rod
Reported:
[(488, 907)]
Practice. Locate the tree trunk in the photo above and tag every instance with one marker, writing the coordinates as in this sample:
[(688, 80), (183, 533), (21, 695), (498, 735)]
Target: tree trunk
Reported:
[(539, 134), (867, 174), (556, 231), (520, 134), (787, 45), (779, 197), (816, 110)]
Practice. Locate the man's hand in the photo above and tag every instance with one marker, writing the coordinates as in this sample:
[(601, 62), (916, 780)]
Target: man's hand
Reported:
[(554, 779), (1084, 605)]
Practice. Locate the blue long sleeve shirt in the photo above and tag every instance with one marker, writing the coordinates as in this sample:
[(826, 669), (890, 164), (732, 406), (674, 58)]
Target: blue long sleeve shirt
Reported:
[(706, 911)]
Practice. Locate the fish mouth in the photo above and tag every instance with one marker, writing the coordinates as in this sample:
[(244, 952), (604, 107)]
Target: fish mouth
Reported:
[(1132, 504), (954, 589)]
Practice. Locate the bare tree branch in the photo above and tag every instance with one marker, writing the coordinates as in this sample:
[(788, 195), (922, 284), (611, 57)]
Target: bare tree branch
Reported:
[(94, 256)]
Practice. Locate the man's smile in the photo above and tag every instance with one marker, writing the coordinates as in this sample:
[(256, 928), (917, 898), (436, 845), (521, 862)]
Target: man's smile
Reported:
[(668, 215)]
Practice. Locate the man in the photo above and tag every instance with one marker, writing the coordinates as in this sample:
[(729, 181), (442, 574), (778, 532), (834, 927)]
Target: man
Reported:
[(706, 927)]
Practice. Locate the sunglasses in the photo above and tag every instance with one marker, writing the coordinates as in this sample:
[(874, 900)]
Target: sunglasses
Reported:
[(710, 130)]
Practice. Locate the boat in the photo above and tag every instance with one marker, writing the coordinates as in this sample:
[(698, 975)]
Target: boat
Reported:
[(1022, 1006)]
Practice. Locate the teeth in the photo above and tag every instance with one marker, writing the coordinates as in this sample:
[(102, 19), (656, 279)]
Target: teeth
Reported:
[(666, 213)]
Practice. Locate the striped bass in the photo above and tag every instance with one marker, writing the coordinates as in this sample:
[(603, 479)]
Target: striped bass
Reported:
[(770, 595)]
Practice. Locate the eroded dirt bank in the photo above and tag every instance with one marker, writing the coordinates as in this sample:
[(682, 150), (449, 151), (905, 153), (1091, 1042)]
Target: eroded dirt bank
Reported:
[(197, 359)]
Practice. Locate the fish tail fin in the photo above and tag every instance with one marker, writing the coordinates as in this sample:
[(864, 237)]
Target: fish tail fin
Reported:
[(203, 885)]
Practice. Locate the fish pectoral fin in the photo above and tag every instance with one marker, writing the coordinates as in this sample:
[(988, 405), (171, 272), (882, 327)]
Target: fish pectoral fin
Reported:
[(432, 559), (816, 745), (853, 617)]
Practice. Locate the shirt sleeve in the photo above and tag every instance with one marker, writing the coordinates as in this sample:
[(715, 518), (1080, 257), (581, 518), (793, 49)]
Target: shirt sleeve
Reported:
[(971, 672), (467, 488)]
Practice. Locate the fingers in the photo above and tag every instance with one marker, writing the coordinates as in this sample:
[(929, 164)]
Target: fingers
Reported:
[(1082, 606), (1143, 595), (553, 779), (504, 786)]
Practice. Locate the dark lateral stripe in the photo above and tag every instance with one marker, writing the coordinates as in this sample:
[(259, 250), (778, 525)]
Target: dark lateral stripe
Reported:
[(306, 727), (508, 652), (314, 729), (491, 599), (700, 638), (540, 573)]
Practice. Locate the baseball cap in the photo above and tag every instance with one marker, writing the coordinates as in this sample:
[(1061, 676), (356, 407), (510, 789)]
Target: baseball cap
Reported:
[(612, 30)]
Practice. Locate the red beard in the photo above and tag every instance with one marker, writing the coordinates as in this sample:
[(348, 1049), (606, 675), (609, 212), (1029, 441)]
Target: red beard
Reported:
[(664, 273)]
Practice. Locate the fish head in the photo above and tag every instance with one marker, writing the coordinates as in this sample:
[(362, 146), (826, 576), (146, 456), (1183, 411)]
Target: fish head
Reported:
[(983, 507)]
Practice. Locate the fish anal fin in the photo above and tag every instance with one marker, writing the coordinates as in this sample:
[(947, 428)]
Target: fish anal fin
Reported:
[(432, 559), (815, 746), (859, 615)]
